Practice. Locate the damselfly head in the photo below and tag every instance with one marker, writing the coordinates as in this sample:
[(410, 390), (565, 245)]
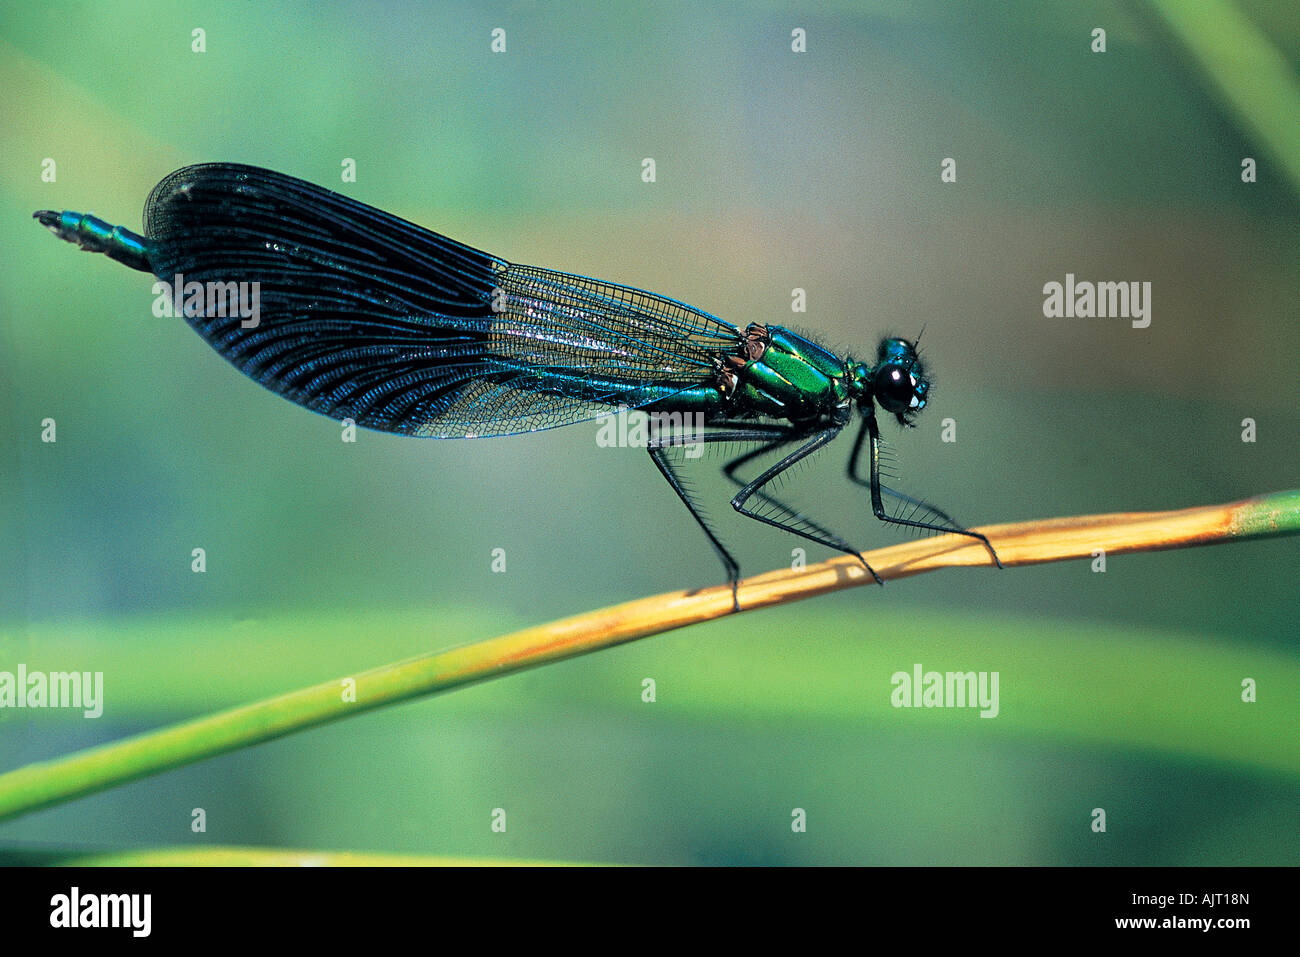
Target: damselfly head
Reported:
[(897, 381)]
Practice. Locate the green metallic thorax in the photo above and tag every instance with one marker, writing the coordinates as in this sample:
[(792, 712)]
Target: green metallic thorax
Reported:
[(775, 373), (794, 379)]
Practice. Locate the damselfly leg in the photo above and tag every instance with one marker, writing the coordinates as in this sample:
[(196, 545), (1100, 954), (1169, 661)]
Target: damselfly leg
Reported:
[(729, 470), (944, 523), (795, 523), (658, 446)]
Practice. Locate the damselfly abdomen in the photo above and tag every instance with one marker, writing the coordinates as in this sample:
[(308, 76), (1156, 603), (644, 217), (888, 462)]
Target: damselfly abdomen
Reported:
[(361, 315)]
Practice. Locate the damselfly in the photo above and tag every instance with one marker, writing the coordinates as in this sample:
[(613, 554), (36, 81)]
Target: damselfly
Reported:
[(365, 316)]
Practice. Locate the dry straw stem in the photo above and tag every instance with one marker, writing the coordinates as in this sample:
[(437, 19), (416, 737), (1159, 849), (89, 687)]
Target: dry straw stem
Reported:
[(1020, 543)]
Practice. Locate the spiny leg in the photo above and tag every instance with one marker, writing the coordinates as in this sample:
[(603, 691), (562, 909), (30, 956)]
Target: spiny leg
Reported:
[(729, 470), (854, 477), (869, 427), (812, 532), (657, 447)]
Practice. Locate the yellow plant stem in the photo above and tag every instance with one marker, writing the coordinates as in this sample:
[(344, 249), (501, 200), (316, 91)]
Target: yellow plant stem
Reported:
[(1022, 543)]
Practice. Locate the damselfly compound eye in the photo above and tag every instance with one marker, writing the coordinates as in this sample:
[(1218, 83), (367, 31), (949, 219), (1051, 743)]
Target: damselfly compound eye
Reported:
[(896, 390)]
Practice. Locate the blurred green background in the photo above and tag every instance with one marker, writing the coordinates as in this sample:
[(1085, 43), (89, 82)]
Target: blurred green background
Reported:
[(776, 170)]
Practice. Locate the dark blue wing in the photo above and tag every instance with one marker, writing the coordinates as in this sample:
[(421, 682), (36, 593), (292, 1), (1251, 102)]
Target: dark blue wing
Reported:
[(364, 315)]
